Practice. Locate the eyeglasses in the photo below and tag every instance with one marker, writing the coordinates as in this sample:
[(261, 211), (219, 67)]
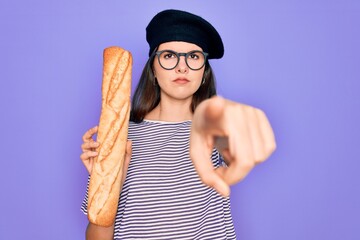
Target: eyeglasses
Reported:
[(169, 59)]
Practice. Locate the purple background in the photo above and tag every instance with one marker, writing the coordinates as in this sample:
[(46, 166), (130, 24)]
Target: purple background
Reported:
[(297, 60)]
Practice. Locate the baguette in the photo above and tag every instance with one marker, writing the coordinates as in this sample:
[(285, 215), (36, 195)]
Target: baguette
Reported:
[(105, 180)]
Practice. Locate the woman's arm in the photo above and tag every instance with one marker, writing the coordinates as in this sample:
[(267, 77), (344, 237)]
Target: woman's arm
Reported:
[(95, 232), (242, 133)]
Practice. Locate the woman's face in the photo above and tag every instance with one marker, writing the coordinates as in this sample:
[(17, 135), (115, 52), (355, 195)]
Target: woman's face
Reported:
[(181, 82)]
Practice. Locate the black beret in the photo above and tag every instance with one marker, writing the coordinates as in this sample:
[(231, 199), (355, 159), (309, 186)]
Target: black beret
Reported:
[(176, 25)]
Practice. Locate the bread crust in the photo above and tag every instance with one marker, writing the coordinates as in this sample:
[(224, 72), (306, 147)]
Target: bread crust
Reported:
[(105, 181)]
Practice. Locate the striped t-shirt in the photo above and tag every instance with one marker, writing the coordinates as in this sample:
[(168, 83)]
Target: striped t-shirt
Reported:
[(162, 196)]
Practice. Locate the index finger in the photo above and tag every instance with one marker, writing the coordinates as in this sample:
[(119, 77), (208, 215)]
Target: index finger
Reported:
[(212, 115), (87, 137)]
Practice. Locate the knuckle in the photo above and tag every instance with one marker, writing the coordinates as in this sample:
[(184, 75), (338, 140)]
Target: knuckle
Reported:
[(260, 155), (87, 155), (272, 147), (248, 109), (83, 146), (260, 159), (259, 111), (269, 149), (240, 108)]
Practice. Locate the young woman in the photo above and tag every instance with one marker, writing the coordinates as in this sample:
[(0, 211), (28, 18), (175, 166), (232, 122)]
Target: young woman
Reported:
[(186, 146)]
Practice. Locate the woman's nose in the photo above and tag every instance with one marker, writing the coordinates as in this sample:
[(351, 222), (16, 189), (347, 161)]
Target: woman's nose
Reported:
[(182, 66)]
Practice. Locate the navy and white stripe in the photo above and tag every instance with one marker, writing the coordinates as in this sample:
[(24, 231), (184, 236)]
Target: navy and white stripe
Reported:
[(163, 197)]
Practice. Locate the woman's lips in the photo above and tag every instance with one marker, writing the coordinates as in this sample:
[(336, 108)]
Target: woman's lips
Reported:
[(181, 80)]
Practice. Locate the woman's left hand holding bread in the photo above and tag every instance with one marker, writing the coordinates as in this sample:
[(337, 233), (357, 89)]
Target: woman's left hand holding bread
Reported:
[(242, 134)]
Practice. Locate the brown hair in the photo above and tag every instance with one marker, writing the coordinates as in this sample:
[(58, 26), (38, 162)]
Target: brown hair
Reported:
[(147, 93)]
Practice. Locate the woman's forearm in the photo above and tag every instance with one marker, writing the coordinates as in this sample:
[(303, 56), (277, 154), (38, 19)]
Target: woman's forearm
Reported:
[(95, 232)]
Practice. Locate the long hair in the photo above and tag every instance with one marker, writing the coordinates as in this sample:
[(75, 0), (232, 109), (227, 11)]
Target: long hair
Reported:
[(147, 92)]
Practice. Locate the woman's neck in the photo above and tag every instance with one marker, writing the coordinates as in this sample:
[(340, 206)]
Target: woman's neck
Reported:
[(171, 111)]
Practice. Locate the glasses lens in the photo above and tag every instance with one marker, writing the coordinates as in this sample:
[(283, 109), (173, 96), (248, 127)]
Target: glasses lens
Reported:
[(195, 60), (168, 60)]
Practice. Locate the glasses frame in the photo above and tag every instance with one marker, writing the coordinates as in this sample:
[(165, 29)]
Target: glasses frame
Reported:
[(158, 53)]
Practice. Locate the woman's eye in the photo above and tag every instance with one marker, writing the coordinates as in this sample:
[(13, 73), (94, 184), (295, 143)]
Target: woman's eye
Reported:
[(194, 56), (169, 55)]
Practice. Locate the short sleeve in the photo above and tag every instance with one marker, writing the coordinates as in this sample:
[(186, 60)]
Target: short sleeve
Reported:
[(84, 203)]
